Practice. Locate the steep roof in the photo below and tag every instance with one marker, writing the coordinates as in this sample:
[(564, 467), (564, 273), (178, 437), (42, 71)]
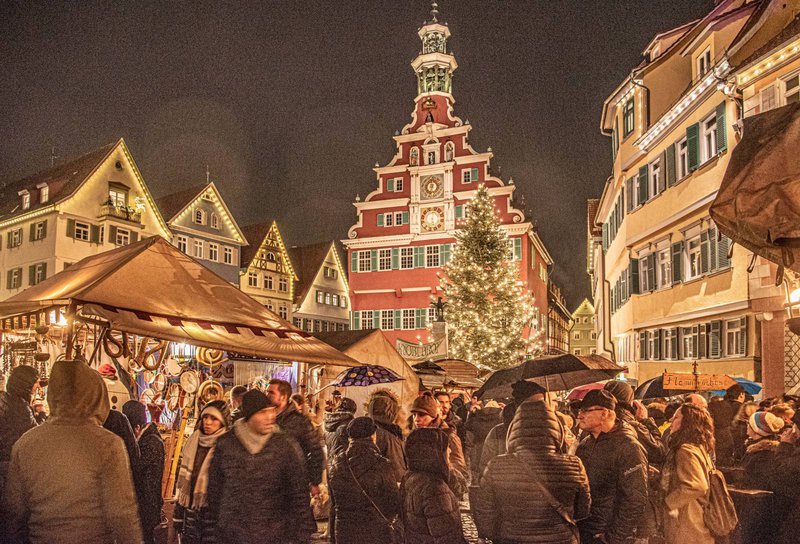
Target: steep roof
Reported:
[(790, 31), (172, 203), (62, 181), (342, 340), (592, 205), (306, 261), (255, 233)]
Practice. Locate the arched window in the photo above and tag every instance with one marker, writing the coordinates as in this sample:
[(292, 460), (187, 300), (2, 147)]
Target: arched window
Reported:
[(270, 256), (414, 157), (200, 216), (214, 221)]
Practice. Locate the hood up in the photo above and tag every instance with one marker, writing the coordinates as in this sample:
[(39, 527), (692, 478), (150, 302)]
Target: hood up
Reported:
[(426, 451), (76, 392), (334, 420), (535, 427)]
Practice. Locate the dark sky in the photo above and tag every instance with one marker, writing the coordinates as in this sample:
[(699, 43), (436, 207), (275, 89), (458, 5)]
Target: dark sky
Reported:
[(291, 103)]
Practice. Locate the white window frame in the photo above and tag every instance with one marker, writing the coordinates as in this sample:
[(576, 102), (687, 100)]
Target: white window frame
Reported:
[(663, 268), (384, 259), (123, 237), (708, 137), (199, 216), (576, 335), (82, 231), (431, 316), (626, 131), (644, 286), (320, 297), (683, 158), (227, 255), (790, 95), (734, 338), (367, 318), (409, 319), (328, 299), (334, 299), (432, 257), (26, 200), (666, 344), (364, 261), (398, 185), (283, 285), (387, 320), (44, 194), (198, 248), (654, 177), (118, 197), (651, 344), (398, 218), (213, 252), (267, 282), (252, 279), (39, 273), (182, 243), (388, 220), (692, 256), (283, 313), (38, 230), (16, 278), (704, 61), (576, 351), (687, 344), (214, 222)]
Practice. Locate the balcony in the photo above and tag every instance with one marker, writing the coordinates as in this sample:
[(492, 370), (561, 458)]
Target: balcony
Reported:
[(132, 215)]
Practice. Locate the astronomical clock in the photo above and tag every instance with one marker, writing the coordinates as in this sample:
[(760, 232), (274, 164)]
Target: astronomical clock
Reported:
[(432, 219), (431, 187)]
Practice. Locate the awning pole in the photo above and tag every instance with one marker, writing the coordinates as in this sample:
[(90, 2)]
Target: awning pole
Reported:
[(70, 318)]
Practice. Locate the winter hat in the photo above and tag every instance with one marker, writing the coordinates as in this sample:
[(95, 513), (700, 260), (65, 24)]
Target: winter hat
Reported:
[(135, 412), (522, 390), (765, 423), (108, 371), (425, 404), (347, 405), (599, 398), (361, 427), (254, 401), (219, 410), (20, 381), (621, 391)]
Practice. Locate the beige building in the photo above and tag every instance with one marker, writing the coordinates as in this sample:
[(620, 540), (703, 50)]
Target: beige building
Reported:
[(80, 207), (583, 337), (668, 288), (321, 302), (267, 273)]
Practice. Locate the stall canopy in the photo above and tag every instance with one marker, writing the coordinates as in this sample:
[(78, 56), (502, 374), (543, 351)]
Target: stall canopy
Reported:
[(758, 203), (151, 289)]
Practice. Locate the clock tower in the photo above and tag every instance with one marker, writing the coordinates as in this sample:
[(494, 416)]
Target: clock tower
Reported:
[(404, 231)]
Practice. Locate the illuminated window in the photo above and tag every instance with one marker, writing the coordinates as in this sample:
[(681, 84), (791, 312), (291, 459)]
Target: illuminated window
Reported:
[(213, 252), (227, 255), (118, 197), (123, 237), (283, 285), (182, 243)]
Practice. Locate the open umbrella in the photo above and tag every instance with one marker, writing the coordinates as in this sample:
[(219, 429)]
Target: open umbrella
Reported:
[(654, 387), (579, 392), (363, 376), (553, 372), (750, 387)]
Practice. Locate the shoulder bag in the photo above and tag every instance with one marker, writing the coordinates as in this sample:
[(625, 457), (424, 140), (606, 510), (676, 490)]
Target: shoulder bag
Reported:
[(551, 500), (395, 525), (719, 512)]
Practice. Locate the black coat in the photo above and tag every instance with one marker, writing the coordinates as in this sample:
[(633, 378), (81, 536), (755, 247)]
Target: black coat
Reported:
[(478, 426), (430, 511), (148, 484), (389, 439), (335, 426), (195, 526), (299, 427), (757, 463), (617, 468), (16, 417), (118, 423), (509, 506), (262, 497), (784, 475), (723, 412), (357, 519)]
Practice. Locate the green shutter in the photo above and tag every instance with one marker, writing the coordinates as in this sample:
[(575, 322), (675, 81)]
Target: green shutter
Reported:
[(395, 258), (8, 279), (673, 343), (398, 322), (444, 250), (651, 272), (31, 274), (702, 342), (723, 247), (354, 261), (743, 345), (642, 185), (671, 166), (71, 228), (473, 174), (94, 233), (714, 340), (713, 264), (112, 235), (33, 232), (677, 262), (633, 276), (605, 236), (662, 175), (44, 229), (374, 259), (380, 219), (390, 185), (722, 128), (134, 237), (643, 346), (704, 250), (459, 211), (656, 355), (376, 319), (405, 218), (693, 146), (419, 318), (356, 321), (419, 256), (518, 249)]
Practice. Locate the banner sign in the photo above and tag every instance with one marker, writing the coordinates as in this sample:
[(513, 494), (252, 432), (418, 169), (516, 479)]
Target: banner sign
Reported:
[(697, 382), (421, 352)]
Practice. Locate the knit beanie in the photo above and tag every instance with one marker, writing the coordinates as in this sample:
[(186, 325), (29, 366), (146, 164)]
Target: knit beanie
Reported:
[(382, 409), (218, 409), (425, 404), (599, 398), (361, 427), (254, 401), (347, 405), (765, 423), (621, 391), (20, 381), (136, 413)]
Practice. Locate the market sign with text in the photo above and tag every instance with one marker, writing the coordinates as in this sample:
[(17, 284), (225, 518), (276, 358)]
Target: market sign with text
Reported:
[(697, 382)]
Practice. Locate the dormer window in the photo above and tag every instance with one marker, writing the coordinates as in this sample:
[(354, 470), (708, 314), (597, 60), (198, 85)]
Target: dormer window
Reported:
[(26, 199), (214, 221), (44, 193), (704, 62), (200, 216)]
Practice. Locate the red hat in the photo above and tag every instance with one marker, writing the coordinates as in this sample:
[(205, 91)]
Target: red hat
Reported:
[(107, 370)]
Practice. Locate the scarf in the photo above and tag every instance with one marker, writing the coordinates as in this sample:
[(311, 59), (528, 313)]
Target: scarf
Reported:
[(185, 496), (251, 441)]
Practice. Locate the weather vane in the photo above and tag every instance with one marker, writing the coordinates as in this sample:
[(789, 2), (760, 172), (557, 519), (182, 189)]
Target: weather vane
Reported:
[(434, 12)]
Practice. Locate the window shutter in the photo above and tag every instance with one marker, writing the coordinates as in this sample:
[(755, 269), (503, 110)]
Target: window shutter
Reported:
[(444, 251), (44, 271), (605, 237), (395, 258), (723, 246), (419, 256), (633, 277), (71, 228), (33, 232), (94, 233), (474, 174), (112, 234), (657, 344), (44, 229), (354, 261), (380, 219), (32, 274), (459, 211), (134, 237), (677, 262), (713, 258), (398, 323), (662, 176), (643, 345), (356, 321), (405, 218), (703, 339), (651, 272), (704, 260), (374, 259), (8, 279), (693, 146), (673, 343), (743, 343), (642, 185), (376, 319), (714, 339), (518, 249), (722, 128), (670, 165), (390, 185), (695, 340), (419, 318)]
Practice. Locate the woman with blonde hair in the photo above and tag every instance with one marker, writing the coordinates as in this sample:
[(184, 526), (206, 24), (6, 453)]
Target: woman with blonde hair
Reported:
[(685, 478)]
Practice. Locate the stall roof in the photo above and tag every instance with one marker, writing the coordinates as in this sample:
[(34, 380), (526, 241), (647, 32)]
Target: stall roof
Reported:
[(151, 289)]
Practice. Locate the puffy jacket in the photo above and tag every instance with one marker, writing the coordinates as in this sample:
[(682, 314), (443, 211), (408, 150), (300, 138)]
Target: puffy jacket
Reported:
[(459, 473), (784, 475), (148, 486), (430, 510), (757, 462), (478, 426), (261, 497), (617, 468), (299, 427), (509, 505), (648, 437), (494, 445), (357, 520), (335, 427), (389, 439)]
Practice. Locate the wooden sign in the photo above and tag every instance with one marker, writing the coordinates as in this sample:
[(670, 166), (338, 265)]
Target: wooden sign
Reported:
[(697, 382)]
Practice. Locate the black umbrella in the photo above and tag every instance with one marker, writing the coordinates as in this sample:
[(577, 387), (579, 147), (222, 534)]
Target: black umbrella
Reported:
[(553, 372), (654, 387)]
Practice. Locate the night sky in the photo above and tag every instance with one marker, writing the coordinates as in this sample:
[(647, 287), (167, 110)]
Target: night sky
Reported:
[(292, 103)]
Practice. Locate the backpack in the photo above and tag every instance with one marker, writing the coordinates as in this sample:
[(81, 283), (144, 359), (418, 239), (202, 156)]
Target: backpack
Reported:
[(719, 513)]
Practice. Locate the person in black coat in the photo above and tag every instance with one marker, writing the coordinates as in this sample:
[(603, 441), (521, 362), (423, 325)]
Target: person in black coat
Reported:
[(363, 490), (478, 426), (118, 423), (430, 510), (151, 468), (723, 413), (383, 409), (258, 486), (510, 506), (336, 441)]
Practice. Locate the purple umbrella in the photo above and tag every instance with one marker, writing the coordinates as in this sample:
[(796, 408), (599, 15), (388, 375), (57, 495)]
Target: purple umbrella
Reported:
[(362, 376)]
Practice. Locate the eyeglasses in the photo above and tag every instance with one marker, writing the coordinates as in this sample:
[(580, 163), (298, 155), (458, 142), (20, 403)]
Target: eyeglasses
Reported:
[(590, 410)]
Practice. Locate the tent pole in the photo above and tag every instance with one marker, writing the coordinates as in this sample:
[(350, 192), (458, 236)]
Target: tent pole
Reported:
[(70, 329)]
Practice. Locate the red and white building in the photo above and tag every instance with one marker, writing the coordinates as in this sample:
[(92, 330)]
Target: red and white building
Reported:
[(404, 230)]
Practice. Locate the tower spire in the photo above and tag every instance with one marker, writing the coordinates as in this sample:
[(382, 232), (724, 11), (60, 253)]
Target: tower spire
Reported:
[(434, 66), (434, 12)]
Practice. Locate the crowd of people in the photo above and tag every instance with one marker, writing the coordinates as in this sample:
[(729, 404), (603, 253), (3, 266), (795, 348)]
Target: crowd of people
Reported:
[(607, 469)]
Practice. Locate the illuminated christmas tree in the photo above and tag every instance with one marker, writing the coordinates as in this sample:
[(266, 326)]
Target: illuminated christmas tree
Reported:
[(489, 314)]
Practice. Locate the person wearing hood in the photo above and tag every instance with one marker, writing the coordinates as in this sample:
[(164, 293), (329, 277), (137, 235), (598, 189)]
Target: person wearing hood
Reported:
[(478, 425), (69, 481), (648, 435), (16, 415), (762, 443), (258, 485), (336, 441), (364, 492), (190, 518), (511, 506), (383, 409), (430, 510), (495, 442), (151, 467)]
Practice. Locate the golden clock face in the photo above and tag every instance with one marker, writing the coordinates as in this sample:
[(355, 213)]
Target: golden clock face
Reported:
[(432, 219), (431, 187)]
